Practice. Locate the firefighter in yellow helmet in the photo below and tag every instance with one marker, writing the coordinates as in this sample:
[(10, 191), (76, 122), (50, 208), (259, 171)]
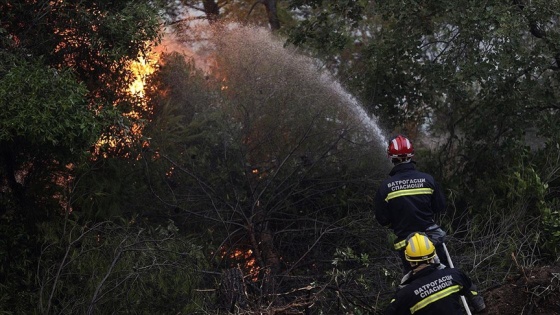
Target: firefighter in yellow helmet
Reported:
[(429, 288)]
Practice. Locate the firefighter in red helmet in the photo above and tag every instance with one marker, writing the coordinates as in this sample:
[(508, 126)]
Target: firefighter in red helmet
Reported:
[(408, 200)]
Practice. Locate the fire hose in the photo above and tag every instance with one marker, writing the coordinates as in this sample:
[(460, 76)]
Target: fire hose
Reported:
[(463, 299)]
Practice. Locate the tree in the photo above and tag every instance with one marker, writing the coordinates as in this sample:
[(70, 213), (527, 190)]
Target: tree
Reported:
[(64, 82), (45, 119), (88, 44)]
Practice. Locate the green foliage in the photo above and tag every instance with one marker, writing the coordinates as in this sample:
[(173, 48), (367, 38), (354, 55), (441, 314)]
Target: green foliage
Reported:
[(118, 267), (63, 68), (333, 30), (111, 188), (59, 86), (44, 109), (551, 230), (548, 156)]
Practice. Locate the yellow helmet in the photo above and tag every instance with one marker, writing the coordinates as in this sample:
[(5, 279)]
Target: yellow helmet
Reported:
[(419, 248)]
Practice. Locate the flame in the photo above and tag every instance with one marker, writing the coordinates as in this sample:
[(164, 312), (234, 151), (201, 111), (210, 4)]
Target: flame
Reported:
[(141, 69), (144, 65)]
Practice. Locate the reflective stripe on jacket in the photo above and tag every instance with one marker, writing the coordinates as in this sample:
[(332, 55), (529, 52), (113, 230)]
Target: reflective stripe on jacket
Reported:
[(407, 201), (432, 291)]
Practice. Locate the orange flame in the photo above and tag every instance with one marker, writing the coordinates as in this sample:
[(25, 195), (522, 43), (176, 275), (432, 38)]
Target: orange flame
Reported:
[(141, 68)]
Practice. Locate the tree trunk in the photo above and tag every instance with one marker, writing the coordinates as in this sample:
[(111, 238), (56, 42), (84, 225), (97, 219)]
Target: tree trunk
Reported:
[(263, 238), (272, 13), (233, 291), (211, 10)]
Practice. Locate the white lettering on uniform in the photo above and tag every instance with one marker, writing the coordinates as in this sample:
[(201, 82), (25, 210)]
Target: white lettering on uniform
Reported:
[(434, 286), (406, 183), (409, 186)]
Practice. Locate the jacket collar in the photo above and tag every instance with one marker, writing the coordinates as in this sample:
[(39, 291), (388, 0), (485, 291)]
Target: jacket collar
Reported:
[(403, 167), (422, 273)]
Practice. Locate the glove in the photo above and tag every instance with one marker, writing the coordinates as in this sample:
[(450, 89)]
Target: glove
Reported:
[(478, 305)]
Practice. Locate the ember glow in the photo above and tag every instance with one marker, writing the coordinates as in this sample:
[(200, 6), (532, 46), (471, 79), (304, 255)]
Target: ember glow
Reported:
[(245, 259)]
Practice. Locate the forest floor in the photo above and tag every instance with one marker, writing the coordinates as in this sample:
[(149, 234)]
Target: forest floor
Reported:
[(533, 291)]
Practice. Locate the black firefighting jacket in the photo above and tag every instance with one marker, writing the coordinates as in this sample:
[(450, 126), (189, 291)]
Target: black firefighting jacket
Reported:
[(432, 291), (407, 201)]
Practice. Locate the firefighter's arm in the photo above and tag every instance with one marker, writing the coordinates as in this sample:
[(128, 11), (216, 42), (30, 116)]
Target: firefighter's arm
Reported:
[(391, 309), (396, 307), (470, 291), (380, 207)]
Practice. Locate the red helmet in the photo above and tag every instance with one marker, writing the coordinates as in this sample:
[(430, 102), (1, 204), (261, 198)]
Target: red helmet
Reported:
[(400, 148)]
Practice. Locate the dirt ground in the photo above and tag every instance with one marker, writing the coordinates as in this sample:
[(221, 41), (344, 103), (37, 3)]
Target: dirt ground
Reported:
[(534, 291)]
